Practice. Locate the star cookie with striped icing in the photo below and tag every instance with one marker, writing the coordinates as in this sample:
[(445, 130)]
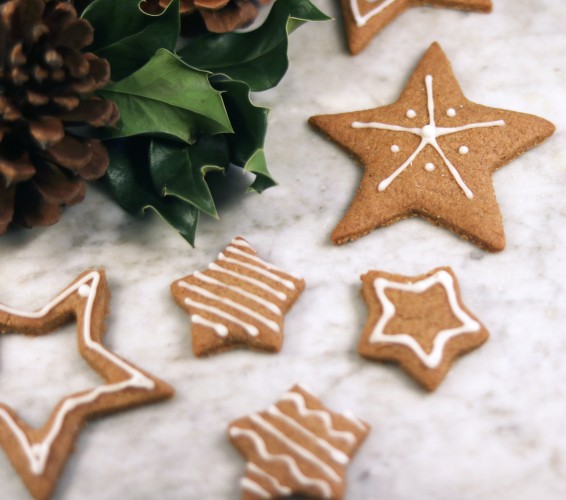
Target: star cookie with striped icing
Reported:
[(39, 454), (239, 301), (364, 19), (296, 447), (418, 322), (431, 154)]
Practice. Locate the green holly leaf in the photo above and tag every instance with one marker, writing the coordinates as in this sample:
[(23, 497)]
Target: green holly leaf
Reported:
[(128, 37), (250, 125), (258, 57), (166, 96), (179, 170), (130, 183)]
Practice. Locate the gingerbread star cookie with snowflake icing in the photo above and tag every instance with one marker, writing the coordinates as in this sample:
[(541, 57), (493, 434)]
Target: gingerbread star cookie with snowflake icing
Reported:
[(296, 448), (431, 154), (39, 454), (418, 322), (366, 18), (239, 301)]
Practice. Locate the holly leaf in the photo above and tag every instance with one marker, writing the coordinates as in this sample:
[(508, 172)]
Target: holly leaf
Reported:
[(250, 125), (130, 184), (166, 96), (128, 37), (258, 57), (179, 170)]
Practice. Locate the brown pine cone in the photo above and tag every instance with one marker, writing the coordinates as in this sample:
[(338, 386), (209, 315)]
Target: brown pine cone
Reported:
[(45, 98), (219, 16)]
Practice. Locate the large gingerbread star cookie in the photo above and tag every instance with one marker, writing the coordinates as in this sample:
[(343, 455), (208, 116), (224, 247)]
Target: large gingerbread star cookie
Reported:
[(431, 154), (39, 454), (366, 18)]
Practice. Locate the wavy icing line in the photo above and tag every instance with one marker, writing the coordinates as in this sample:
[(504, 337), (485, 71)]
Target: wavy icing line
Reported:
[(38, 453), (336, 454), (434, 358), (296, 447), (275, 484), (253, 487), (261, 449), (323, 416)]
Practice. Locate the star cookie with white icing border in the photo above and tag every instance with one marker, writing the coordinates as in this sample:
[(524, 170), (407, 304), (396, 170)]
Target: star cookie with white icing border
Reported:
[(431, 154), (296, 447), (418, 322), (364, 19), (39, 454), (240, 300)]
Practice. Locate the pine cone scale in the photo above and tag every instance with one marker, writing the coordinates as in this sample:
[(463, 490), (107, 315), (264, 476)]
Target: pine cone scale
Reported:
[(18, 170), (47, 131), (6, 206), (46, 96)]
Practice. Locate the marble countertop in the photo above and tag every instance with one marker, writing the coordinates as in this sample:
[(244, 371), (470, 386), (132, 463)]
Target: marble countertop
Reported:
[(493, 429)]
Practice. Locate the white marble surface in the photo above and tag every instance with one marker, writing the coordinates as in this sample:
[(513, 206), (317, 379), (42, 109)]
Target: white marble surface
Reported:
[(493, 429)]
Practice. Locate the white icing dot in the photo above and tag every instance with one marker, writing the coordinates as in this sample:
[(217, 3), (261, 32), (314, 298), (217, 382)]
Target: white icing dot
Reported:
[(84, 290), (464, 150), (411, 113), (395, 148), (429, 167), (451, 112)]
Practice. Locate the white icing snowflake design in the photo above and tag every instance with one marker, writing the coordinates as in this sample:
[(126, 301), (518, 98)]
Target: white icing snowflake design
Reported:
[(428, 134)]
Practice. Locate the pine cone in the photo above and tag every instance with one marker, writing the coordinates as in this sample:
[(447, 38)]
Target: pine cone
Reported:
[(219, 16), (45, 95)]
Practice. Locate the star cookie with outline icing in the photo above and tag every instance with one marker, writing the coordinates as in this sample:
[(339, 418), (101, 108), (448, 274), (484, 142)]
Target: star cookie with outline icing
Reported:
[(418, 322), (296, 447), (364, 19), (239, 301), (39, 454), (431, 154)]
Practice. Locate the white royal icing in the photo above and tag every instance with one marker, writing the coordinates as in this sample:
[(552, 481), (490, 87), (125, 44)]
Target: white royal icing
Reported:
[(251, 330), (220, 329), (275, 484), (261, 449), (361, 20), (300, 404), (37, 453), (411, 113), (253, 487), (429, 167), (464, 150), (395, 148), (275, 433), (434, 358), (272, 325), (450, 112), (274, 277), (260, 284), (336, 454), (355, 420), (428, 134), (252, 296)]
